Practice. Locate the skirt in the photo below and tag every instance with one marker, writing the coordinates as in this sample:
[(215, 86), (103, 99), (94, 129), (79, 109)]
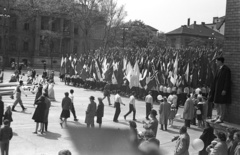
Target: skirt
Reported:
[(99, 120), (199, 117), (65, 114)]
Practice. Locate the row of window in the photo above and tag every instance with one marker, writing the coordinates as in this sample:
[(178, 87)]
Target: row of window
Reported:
[(13, 45)]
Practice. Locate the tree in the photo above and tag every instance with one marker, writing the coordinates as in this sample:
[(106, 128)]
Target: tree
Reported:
[(138, 34), (115, 16)]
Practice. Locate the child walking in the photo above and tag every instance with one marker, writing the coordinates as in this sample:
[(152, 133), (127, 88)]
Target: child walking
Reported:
[(6, 135), (100, 112), (8, 114)]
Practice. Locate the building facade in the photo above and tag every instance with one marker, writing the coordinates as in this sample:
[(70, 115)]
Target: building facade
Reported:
[(218, 24), (44, 39), (192, 35), (231, 52)]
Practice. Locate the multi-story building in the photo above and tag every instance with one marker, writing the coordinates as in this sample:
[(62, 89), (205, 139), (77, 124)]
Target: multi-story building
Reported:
[(192, 35), (46, 38)]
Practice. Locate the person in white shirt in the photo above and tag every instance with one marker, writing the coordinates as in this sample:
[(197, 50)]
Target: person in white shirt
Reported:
[(19, 90), (149, 104), (117, 102), (132, 107), (71, 96)]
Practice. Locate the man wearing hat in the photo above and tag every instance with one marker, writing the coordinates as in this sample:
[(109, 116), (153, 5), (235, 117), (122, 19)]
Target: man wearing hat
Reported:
[(149, 104), (220, 93), (19, 90), (164, 111)]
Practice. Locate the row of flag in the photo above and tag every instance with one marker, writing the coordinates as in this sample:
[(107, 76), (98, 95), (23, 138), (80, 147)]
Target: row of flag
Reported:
[(170, 68)]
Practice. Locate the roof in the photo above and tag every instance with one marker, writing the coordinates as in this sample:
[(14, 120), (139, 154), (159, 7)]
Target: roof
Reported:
[(152, 28), (195, 30), (219, 24)]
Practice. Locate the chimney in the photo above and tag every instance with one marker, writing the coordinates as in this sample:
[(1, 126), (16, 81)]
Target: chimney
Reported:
[(203, 23), (195, 22), (188, 22)]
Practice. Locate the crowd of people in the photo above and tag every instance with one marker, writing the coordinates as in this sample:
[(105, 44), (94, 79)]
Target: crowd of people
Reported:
[(171, 90)]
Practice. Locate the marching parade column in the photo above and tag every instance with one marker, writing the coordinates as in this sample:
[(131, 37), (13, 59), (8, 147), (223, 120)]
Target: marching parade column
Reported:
[(231, 53)]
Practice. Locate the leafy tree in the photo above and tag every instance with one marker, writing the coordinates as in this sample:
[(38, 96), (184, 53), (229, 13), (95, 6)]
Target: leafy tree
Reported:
[(137, 34)]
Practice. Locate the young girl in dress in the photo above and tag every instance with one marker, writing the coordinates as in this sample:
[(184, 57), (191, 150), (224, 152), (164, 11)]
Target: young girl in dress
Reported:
[(8, 114)]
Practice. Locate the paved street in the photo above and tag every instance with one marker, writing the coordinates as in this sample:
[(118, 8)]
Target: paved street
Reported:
[(25, 142)]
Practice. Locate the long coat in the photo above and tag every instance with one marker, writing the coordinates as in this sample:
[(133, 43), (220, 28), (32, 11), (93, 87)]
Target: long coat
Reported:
[(164, 112), (1, 111), (90, 113), (222, 81), (39, 92), (207, 137), (100, 110), (188, 112), (48, 105), (38, 115), (182, 145)]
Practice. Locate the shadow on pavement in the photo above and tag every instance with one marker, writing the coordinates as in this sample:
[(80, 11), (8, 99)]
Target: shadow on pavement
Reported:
[(104, 141), (172, 132), (51, 135), (15, 134), (124, 123), (77, 123)]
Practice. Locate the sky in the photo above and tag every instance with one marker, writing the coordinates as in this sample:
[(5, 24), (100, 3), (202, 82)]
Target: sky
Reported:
[(168, 15)]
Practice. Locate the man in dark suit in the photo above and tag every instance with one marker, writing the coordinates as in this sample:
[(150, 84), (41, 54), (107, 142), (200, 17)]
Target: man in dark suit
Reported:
[(221, 89)]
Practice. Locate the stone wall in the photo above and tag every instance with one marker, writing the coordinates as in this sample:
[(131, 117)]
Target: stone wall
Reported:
[(232, 57)]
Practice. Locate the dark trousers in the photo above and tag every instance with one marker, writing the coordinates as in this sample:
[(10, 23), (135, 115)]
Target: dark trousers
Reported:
[(148, 109), (117, 112), (164, 125), (187, 122), (73, 111), (46, 126), (4, 148), (131, 109)]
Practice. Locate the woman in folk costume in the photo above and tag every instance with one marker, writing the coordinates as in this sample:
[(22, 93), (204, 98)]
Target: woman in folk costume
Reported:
[(91, 112), (51, 93)]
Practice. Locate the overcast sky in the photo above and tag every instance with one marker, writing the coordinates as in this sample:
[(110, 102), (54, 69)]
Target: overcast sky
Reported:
[(167, 15)]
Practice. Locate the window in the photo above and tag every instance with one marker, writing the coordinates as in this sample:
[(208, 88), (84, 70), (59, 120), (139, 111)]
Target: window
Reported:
[(13, 45), (25, 46), (13, 24), (26, 26), (0, 43), (76, 31)]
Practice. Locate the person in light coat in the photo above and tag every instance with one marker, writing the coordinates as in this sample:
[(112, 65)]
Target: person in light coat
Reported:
[(164, 111), (183, 141), (188, 112), (91, 112)]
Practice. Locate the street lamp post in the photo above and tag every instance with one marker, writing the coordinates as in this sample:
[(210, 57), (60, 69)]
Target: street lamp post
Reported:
[(4, 16)]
